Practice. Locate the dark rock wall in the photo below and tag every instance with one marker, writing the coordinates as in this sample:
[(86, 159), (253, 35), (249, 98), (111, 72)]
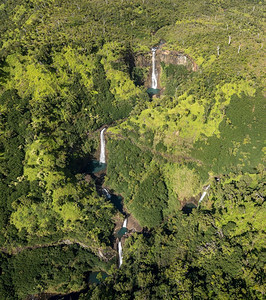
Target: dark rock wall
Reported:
[(166, 56)]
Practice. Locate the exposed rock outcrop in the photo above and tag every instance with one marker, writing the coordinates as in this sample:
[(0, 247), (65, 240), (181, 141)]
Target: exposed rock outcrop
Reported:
[(166, 56), (176, 58)]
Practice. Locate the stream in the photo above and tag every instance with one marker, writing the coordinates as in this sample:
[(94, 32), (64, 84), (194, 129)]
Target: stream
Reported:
[(102, 161), (116, 200), (98, 167), (101, 165)]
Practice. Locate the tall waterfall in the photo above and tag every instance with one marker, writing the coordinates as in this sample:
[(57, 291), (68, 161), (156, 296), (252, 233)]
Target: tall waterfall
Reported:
[(153, 76), (125, 223), (203, 194), (120, 254), (102, 155)]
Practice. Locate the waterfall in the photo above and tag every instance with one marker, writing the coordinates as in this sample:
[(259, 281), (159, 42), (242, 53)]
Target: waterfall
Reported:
[(106, 193), (204, 194), (153, 76), (125, 223), (102, 155), (120, 254)]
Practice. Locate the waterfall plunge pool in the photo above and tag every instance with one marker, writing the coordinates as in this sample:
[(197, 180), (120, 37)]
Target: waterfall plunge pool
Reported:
[(94, 166), (121, 232), (187, 209), (152, 91)]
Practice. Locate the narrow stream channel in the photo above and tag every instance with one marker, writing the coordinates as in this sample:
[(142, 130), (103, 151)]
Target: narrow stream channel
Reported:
[(116, 200), (96, 168)]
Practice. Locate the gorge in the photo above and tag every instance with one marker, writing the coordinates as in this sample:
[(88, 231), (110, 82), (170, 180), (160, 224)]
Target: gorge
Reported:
[(163, 56), (118, 120), (114, 200)]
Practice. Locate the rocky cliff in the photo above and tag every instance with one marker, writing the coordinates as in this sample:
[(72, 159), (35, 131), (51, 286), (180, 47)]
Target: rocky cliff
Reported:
[(166, 56)]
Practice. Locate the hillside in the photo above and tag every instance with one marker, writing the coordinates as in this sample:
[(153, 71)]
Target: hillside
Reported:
[(68, 70)]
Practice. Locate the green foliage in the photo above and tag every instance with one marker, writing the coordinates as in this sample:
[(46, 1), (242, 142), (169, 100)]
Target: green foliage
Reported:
[(240, 144), (54, 269), (139, 181), (172, 77), (184, 183), (68, 68), (211, 260), (150, 199), (6, 286)]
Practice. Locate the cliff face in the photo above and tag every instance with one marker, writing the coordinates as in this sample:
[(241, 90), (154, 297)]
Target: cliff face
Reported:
[(166, 56), (176, 58)]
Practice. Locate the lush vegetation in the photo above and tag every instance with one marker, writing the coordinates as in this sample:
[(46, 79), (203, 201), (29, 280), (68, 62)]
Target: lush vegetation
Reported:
[(214, 253), (51, 269), (69, 67)]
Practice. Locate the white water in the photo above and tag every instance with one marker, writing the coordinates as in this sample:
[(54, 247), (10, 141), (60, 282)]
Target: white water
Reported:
[(102, 155), (153, 76), (106, 193), (120, 253), (204, 194), (125, 223)]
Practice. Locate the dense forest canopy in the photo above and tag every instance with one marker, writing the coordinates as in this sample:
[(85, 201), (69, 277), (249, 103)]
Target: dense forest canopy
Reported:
[(68, 68)]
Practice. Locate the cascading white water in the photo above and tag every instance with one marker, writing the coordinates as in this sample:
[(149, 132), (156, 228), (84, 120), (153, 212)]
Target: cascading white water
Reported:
[(120, 254), (106, 193), (204, 194), (102, 154), (153, 76), (125, 223)]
